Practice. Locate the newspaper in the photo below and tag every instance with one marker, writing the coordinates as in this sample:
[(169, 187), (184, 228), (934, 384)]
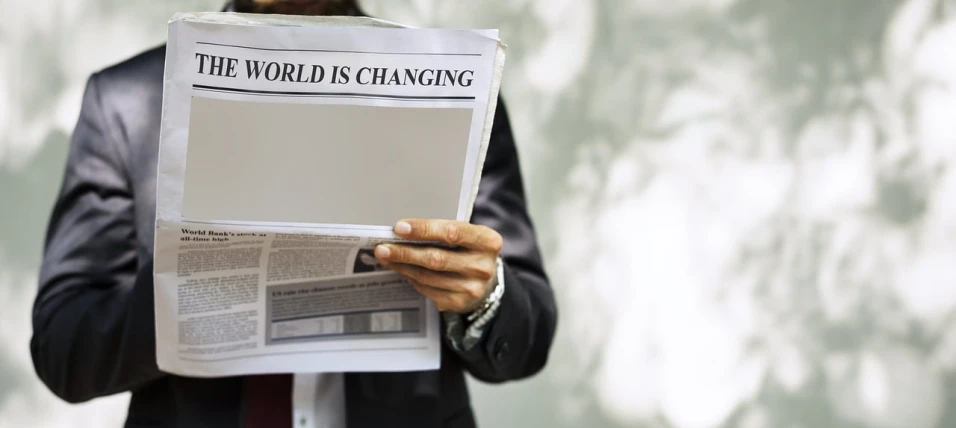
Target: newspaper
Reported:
[(289, 148)]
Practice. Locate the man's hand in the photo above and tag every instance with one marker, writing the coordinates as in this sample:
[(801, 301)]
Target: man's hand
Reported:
[(458, 279)]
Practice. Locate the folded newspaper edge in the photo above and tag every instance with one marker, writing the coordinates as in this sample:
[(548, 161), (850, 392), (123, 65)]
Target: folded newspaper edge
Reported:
[(236, 298)]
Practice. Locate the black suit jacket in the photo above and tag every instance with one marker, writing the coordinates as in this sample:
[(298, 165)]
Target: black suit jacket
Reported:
[(93, 316)]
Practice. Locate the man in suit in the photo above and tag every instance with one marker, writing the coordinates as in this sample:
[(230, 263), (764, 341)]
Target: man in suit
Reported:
[(93, 319)]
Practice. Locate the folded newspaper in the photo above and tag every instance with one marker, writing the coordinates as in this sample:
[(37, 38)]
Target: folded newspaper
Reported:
[(289, 147)]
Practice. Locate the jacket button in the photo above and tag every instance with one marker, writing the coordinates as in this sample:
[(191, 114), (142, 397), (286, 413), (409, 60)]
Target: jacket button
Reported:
[(502, 351)]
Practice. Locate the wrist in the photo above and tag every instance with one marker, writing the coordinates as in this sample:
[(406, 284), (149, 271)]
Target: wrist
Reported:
[(464, 331), (496, 290)]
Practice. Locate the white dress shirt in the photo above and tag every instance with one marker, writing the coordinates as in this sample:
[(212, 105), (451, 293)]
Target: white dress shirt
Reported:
[(318, 400)]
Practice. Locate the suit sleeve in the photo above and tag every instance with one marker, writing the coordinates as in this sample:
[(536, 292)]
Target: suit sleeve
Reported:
[(93, 331), (516, 343)]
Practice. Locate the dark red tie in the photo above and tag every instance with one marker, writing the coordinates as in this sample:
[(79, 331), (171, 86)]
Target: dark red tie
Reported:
[(269, 401)]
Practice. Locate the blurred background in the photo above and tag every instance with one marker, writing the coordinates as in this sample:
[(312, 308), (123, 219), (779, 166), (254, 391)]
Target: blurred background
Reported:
[(748, 207)]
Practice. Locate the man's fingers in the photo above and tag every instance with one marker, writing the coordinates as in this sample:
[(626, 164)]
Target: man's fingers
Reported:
[(457, 233), (446, 301), (456, 279), (442, 280), (438, 259), (465, 290)]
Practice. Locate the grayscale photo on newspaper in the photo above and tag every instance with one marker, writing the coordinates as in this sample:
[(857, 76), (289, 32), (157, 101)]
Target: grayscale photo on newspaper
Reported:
[(289, 147)]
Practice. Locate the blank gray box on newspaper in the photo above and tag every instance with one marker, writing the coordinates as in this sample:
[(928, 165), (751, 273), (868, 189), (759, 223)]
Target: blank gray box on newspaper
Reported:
[(304, 155)]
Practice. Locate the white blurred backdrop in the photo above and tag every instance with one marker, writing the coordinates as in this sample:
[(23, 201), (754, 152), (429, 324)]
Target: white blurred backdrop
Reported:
[(748, 207)]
